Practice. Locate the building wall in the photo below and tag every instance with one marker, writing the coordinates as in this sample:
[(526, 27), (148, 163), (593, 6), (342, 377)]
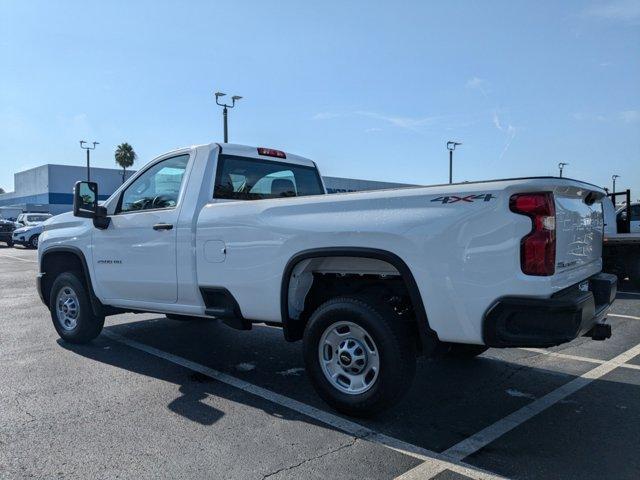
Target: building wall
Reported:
[(341, 185), (49, 188)]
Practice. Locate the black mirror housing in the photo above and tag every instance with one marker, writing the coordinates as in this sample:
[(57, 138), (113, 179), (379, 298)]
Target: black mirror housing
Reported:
[(85, 199), (101, 220)]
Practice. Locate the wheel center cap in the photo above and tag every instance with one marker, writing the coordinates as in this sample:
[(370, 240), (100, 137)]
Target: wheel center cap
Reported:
[(345, 358)]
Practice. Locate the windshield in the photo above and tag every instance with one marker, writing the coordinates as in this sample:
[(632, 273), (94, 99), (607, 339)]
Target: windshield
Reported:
[(36, 218)]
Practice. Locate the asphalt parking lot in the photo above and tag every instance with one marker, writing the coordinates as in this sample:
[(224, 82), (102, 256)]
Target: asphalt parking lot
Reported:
[(153, 397)]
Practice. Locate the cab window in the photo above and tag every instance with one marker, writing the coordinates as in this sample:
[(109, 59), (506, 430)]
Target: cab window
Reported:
[(157, 188), (240, 178)]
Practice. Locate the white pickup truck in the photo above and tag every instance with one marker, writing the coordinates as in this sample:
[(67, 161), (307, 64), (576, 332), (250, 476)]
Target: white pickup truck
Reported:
[(368, 280)]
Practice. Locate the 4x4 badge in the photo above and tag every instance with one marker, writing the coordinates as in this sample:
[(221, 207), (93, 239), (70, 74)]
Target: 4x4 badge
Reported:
[(468, 198)]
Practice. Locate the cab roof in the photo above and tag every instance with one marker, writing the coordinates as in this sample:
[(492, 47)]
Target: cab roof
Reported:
[(252, 152)]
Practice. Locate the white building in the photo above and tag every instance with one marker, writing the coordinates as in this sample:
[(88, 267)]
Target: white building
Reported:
[(49, 188)]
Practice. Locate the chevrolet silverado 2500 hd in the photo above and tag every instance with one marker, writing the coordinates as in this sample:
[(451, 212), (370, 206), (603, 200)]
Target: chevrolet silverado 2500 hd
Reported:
[(367, 280)]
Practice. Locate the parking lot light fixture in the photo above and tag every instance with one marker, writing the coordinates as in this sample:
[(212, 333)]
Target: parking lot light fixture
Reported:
[(451, 146), (85, 146), (613, 177), (225, 106), (561, 166)]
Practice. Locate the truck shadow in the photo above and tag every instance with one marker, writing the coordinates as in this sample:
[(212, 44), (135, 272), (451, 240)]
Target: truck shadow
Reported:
[(449, 401)]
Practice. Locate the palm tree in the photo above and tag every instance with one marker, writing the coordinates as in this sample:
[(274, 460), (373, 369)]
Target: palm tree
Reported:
[(125, 156)]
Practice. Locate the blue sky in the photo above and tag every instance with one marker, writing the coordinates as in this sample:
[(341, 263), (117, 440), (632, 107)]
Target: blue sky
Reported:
[(367, 89)]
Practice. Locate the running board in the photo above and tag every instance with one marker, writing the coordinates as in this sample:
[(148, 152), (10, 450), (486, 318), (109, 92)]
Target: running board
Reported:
[(228, 319)]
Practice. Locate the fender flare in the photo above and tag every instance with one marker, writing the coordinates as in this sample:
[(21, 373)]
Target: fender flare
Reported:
[(426, 334), (96, 305)]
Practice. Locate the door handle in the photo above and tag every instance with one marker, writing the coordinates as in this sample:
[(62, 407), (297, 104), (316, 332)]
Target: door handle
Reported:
[(162, 226)]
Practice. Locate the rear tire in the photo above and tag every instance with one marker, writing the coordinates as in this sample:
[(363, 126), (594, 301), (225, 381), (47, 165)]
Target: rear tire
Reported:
[(33, 242), (359, 355), (71, 310), (462, 350), (9, 243)]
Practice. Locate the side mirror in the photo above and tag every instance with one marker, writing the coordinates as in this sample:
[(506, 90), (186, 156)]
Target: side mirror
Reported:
[(85, 204), (85, 199)]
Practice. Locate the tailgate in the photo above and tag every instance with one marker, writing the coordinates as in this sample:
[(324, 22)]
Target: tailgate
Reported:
[(579, 228)]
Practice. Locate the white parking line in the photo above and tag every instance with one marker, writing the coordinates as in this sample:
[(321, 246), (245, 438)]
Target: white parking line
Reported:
[(577, 358), (623, 316), (437, 461), (17, 258), (491, 433), (563, 355)]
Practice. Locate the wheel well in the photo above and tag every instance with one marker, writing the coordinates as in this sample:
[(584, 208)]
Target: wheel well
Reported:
[(313, 277), (55, 263)]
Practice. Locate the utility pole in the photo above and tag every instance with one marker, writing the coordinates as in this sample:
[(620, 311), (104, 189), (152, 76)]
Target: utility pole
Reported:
[(451, 146), (561, 166), (613, 177), (88, 149), (234, 99)]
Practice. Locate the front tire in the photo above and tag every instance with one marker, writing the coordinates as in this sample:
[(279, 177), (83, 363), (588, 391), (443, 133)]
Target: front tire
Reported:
[(71, 310), (33, 242), (359, 355)]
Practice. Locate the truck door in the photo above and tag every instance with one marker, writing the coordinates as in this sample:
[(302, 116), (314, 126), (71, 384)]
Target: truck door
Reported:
[(135, 257)]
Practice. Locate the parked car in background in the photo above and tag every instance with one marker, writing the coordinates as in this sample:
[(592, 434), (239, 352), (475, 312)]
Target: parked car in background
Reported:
[(26, 219), (29, 233), (6, 231)]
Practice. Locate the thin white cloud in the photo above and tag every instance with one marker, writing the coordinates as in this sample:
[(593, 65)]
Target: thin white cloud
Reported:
[(629, 116), (508, 129), (326, 115), (496, 121), (589, 117), (616, 10), (414, 124), (410, 123), (474, 82), (477, 83), (626, 116)]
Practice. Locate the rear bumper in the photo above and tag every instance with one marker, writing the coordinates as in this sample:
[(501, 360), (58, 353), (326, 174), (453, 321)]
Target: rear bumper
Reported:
[(544, 322)]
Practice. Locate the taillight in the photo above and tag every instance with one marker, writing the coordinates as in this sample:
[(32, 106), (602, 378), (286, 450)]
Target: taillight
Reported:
[(270, 152), (537, 248)]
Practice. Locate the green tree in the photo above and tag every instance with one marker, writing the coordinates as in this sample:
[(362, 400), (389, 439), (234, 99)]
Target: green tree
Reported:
[(2, 191), (125, 156)]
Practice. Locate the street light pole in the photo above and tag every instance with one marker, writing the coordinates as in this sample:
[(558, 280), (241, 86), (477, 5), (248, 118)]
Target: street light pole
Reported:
[(451, 146), (613, 177), (88, 148), (561, 166), (224, 111)]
